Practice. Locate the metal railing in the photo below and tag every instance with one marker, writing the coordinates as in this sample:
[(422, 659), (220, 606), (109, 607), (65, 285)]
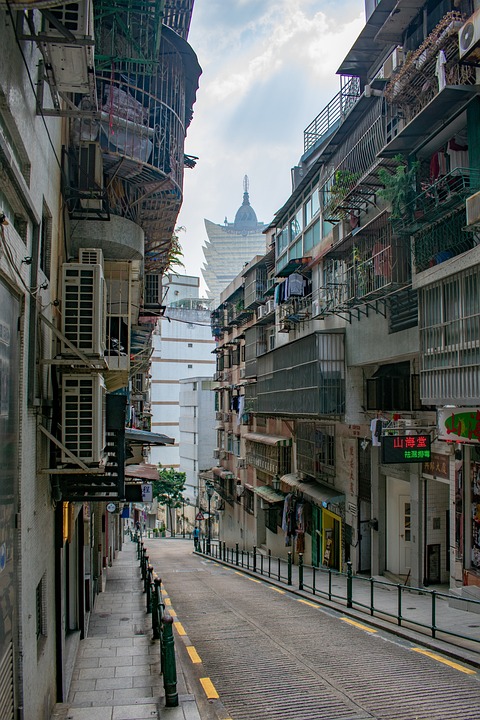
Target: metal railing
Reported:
[(332, 114), (382, 599), (162, 623)]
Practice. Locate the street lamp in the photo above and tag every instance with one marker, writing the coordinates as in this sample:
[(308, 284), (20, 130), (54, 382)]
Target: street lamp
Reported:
[(210, 490)]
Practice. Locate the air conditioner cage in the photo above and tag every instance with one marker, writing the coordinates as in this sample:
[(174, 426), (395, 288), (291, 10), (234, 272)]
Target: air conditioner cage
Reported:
[(83, 308), (83, 417), (90, 175), (77, 17)]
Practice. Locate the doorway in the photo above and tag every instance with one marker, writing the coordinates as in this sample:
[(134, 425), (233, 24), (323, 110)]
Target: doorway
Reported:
[(398, 526)]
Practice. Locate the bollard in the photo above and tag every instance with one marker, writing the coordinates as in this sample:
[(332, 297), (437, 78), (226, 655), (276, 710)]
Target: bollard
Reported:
[(169, 666), (224, 551), (156, 608), (269, 562), (289, 569), (145, 579), (236, 553), (254, 558), (300, 571), (149, 588), (349, 584)]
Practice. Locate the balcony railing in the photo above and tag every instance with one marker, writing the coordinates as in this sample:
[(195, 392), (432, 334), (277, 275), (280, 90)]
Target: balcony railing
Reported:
[(438, 200), (333, 114), (416, 83)]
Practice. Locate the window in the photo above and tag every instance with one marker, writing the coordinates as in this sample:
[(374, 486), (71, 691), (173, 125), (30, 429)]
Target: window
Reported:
[(316, 449), (311, 207), (393, 388), (41, 615), (45, 241), (282, 240), (190, 367), (296, 225), (190, 345), (152, 283), (312, 236), (248, 500)]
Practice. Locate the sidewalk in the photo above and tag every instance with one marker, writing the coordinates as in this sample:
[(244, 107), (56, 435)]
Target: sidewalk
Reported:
[(117, 670)]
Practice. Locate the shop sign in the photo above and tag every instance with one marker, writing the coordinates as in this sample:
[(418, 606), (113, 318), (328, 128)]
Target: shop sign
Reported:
[(438, 466), (147, 492), (459, 424), (405, 448)]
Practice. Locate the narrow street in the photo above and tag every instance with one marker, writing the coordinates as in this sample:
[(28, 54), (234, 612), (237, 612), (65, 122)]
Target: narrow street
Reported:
[(272, 655)]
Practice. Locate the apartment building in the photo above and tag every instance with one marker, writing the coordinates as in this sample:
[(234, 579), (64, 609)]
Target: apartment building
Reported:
[(358, 350), (91, 157)]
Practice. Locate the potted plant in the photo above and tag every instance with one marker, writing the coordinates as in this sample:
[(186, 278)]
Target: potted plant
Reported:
[(399, 186)]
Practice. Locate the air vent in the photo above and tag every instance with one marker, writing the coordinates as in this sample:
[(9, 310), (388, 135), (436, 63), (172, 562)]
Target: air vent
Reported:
[(90, 256), (83, 413)]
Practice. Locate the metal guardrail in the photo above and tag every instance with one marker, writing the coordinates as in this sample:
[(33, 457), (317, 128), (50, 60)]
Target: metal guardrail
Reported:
[(355, 591)]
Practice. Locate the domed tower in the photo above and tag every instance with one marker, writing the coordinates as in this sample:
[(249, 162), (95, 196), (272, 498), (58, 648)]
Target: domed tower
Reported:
[(231, 245)]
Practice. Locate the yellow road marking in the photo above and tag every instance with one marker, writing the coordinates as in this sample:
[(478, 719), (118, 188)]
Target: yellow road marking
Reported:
[(253, 580), (239, 573), (305, 602), (209, 688), (443, 660), (179, 627), (282, 592), (194, 656), (359, 625), (168, 601)]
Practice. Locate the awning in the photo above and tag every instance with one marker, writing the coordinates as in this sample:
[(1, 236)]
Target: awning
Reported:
[(268, 439), (294, 265), (144, 437), (143, 471), (315, 492), (268, 494)]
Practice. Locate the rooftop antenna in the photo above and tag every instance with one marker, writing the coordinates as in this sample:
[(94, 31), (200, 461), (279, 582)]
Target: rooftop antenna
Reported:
[(245, 184)]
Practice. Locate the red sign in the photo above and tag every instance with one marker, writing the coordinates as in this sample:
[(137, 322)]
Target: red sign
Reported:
[(406, 448), (199, 516)]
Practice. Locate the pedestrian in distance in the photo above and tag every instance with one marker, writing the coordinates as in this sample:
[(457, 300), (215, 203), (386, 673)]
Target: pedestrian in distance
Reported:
[(196, 538)]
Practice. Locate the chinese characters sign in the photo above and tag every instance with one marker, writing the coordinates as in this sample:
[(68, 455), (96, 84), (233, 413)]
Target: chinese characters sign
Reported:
[(405, 448), (459, 424)]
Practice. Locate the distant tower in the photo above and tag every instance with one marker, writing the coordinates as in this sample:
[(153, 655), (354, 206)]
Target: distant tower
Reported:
[(231, 245)]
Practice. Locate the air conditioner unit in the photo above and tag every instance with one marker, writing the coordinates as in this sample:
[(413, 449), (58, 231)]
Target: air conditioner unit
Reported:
[(219, 415), (241, 463), (83, 417), (261, 311), (338, 233), (392, 62), (269, 306), (242, 373), (223, 454), (469, 39), (72, 62), (473, 209), (216, 454), (90, 256), (90, 175), (83, 308), (271, 341)]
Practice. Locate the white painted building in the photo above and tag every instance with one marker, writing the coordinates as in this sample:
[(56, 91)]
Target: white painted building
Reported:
[(182, 348), (197, 430)]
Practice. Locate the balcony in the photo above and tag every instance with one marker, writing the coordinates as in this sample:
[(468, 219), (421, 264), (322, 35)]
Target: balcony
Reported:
[(303, 378), (436, 218), (332, 115), (352, 186), (424, 103)]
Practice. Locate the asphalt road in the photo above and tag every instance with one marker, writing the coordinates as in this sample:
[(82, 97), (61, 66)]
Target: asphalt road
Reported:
[(272, 655)]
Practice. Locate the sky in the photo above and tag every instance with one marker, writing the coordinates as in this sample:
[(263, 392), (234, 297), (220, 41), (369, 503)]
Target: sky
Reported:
[(268, 70)]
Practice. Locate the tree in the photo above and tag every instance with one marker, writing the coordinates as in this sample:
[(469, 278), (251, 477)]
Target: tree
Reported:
[(168, 489)]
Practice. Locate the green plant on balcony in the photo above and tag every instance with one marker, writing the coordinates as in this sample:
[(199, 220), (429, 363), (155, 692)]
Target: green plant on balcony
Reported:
[(343, 182), (399, 187)]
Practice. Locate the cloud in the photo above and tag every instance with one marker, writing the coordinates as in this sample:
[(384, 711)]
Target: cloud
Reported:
[(268, 70)]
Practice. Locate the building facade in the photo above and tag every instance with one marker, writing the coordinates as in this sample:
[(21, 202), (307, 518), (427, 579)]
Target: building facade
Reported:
[(360, 377), (182, 348), (91, 163)]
